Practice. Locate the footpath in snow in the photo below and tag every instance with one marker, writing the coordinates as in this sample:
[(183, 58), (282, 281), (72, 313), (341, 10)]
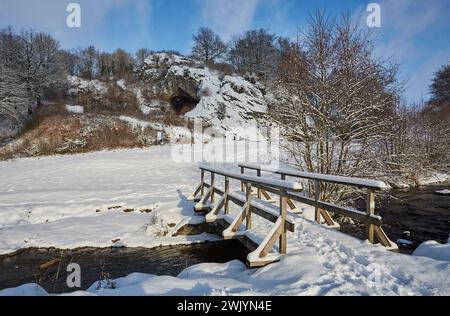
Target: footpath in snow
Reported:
[(93, 199)]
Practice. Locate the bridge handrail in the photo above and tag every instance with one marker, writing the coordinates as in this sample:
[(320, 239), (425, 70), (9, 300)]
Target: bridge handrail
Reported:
[(351, 181), (286, 190), (373, 222), (290, 186)]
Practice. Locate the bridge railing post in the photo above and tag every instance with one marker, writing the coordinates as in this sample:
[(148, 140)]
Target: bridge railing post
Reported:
[(283, 213), (242, 182), (248, 187), (202, 182), (213, 177), (317, 199), (370, 211), (227, 192), (259, 187)]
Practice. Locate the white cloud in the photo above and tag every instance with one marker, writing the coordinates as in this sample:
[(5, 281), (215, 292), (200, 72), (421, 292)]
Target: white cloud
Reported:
[(228, 17)]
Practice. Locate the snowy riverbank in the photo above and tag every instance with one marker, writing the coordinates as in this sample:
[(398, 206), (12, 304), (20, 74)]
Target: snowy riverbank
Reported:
[(130, 195), (96, 199)]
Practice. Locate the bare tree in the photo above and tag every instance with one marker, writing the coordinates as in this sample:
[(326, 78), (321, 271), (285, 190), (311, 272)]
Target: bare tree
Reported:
[(104, 65), (419, 143), (38, 59), (255, 52), (87, 66), (440, 92), (208, 46), (335, 100), (32, 64), (122, 64), (71, 62), (14, 99), (141, 56)]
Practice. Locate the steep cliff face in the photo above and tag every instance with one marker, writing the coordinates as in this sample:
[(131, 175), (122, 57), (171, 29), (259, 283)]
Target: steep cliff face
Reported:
[(228, 102)]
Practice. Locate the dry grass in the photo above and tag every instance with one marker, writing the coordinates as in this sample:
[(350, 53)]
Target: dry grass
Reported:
[(168, 116), (114, 101), (53, 130), (64, 133)]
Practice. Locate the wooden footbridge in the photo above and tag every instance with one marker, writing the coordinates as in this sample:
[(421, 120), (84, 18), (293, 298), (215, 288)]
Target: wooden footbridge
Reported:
[(273, 200)]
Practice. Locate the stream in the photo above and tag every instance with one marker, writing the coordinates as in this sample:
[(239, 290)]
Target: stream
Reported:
[(417, 215), (412, 216), (47, 267)]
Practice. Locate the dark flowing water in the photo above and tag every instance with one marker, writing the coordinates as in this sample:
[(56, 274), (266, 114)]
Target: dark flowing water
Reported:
[(26, 266), (421, 212), (415, 215)]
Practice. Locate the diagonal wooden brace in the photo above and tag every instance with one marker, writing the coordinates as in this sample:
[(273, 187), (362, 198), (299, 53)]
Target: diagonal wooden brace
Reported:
[(200, 206), (232, 231), (196, 192), (212, 216)]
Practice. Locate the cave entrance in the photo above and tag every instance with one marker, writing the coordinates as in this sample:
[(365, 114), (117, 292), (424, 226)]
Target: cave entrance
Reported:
[(183, 104)]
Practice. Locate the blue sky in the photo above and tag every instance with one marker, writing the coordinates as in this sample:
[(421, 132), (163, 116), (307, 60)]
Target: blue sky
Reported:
[(414, 33)]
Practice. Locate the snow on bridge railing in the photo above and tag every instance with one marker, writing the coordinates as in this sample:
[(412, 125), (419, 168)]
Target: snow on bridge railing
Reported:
[(280, 184), (351, 181), (322, 209)]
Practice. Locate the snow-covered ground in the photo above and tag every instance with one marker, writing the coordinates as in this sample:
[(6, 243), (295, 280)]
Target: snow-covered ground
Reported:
[(63, 202), (78, 201), (435, 250), (437, 177)]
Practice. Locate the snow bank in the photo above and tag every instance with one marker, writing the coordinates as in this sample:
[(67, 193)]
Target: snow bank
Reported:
[(174, 134), (74, 109), (435, 250), (121, 84), (79, 85), (25, 290), (438, 177), (135, 122), (443, 192)]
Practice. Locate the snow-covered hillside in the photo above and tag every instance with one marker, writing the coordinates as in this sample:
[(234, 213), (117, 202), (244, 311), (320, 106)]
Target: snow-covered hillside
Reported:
[(227, 103), (98, 198)]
